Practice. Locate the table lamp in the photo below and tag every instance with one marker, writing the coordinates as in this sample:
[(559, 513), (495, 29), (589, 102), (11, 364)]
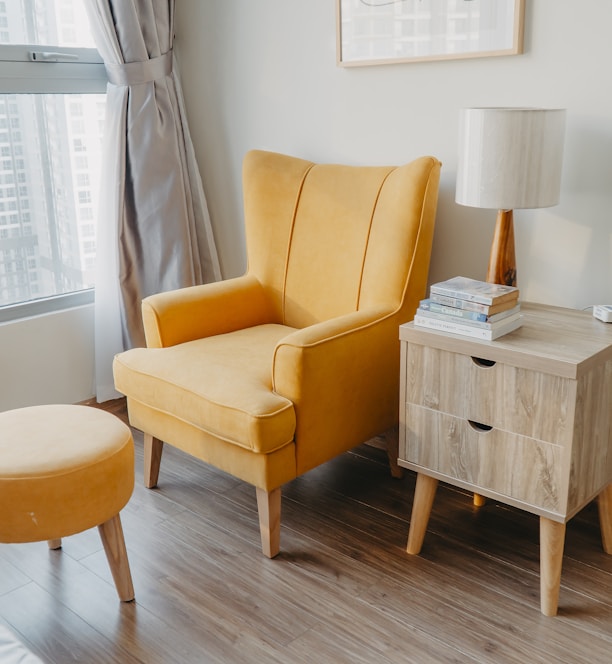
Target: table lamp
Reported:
[(509, 158)]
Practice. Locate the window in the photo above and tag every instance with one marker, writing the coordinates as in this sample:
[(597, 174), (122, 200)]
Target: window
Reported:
[(52, 85)]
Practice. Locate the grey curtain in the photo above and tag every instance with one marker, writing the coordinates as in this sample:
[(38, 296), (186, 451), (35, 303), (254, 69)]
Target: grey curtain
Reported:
[(154, 232)]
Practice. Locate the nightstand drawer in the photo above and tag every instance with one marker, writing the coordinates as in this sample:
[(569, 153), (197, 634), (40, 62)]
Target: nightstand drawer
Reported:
[(520, 467), (502, 396)]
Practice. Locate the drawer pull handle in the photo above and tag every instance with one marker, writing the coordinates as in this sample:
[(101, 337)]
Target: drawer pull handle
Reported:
[(477, 426), (482, 362)]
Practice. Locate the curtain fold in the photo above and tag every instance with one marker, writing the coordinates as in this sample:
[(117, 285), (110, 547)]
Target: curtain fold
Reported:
[(154, 231)]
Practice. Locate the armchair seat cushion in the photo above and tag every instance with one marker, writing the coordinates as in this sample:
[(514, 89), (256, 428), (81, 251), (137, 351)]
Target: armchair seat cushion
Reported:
[(220, 384)]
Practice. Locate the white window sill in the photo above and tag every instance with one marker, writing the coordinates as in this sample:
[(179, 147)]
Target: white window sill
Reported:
[(46, 305)]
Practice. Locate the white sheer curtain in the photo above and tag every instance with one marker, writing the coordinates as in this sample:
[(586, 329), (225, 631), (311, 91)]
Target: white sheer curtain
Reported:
[(154, 232)]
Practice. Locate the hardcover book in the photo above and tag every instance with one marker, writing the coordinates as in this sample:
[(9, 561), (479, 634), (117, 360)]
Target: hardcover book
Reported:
[(466, 314), (485, 325), (467, 305), (455, 327), (472, 290)]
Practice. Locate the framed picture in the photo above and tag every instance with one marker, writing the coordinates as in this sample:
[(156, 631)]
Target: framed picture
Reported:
[(371, 32)]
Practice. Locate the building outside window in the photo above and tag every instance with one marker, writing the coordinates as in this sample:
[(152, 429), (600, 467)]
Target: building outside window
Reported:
[(52, 99)]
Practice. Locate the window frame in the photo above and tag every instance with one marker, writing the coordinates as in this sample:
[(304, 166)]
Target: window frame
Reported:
[(60, 70), (46, 305), (74, 70)]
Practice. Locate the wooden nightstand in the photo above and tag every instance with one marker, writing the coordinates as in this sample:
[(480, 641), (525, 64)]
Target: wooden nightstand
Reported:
[(525, 420)]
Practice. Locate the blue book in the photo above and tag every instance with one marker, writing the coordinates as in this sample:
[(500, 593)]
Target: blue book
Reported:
[(465, 314)]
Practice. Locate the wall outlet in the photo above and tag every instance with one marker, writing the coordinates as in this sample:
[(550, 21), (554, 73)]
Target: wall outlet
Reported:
[(603, 312)]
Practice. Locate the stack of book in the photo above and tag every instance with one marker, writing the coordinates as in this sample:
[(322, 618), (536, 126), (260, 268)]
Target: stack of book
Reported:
[(473, 308)]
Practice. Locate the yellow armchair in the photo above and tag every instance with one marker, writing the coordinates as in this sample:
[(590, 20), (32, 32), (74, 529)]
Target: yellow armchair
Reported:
[(270, 374)]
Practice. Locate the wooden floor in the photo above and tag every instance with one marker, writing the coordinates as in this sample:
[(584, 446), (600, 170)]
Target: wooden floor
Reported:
[(342, 590)]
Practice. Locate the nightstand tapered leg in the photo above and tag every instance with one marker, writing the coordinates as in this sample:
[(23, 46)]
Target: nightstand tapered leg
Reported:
[(552, 541), (604, 503), (424, 494)]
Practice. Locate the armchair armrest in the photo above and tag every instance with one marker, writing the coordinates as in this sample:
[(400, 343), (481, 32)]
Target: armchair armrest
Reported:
[(196, 312), (334, 328), (343, 377)]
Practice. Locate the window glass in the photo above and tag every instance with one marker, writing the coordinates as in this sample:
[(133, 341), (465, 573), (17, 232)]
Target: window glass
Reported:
[(48, 216), (45, 22)]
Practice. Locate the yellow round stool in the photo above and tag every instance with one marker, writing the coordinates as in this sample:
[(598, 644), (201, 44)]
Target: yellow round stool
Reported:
[(64, 469)]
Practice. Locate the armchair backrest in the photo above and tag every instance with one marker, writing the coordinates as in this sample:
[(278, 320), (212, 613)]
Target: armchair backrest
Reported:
[(327, 240)]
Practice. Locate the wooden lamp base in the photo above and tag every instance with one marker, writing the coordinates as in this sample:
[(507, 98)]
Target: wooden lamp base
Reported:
[(501, 269), (502, 261)]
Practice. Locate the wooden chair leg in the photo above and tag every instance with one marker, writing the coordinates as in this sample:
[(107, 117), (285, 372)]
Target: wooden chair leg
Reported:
[(55, 544), (111, 534), (479, 501), (552, 541), (153, 448), (604, 505), (269, 508), (392, 444), (424, 494)]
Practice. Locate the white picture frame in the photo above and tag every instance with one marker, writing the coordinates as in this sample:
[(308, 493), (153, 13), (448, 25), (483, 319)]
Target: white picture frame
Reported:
[(372, 32)]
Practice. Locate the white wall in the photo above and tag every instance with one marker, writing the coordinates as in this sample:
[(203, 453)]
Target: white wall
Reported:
[(47, 359), (264, 75)]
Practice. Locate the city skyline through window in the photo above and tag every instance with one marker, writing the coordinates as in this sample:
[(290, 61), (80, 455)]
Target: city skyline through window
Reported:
[(50, 156)]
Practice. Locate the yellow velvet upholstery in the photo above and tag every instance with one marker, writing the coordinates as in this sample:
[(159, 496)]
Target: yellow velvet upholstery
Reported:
[(63, 469), (275, 372)]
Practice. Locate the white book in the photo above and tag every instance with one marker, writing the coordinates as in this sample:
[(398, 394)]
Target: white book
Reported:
[(473, 290), (472, 323), (455, 327)]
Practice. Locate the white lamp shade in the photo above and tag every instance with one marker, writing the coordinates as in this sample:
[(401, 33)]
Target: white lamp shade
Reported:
[(510, 158)]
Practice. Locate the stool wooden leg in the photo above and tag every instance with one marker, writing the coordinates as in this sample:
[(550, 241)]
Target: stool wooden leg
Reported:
[(269, 508), (55, 544), (424, 494), (604, 504), (111, 534), (552, 541), (153, 448)]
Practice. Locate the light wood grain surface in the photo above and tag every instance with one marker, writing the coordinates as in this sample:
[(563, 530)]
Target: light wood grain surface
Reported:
[(550, 447), (581, 341), (342, 590)]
